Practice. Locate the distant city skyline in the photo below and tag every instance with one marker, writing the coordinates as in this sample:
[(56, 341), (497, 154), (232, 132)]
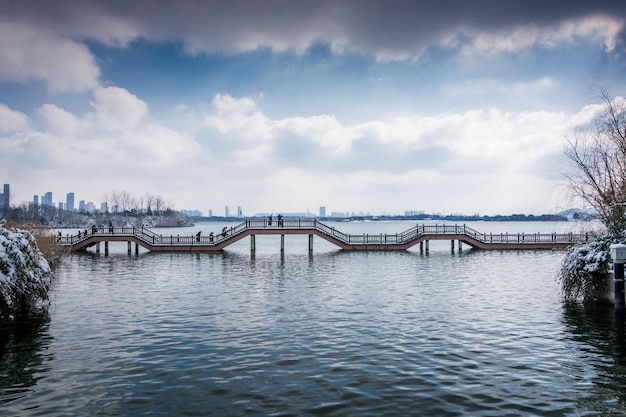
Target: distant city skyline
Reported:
[(47, 199), (368, 105)]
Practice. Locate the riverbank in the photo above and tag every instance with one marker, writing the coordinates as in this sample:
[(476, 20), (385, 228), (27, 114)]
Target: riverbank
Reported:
[(25, 274)]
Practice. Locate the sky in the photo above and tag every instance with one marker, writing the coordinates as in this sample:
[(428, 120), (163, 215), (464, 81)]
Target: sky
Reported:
[(451, 107)]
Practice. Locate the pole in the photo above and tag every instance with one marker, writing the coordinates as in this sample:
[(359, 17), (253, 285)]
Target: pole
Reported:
[(618, 255)]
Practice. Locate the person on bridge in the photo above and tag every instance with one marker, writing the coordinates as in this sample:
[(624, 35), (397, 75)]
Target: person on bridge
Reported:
[(211, 237), (269, 220), (224, 233), (198, 236), (110, 227), (280, 220)]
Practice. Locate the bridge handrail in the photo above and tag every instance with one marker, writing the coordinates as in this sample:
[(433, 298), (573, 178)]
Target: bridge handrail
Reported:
[(418, 231)]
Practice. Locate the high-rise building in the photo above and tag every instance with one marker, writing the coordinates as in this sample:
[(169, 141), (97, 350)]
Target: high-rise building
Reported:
[(210, 213), (322, 211), (5, 200), (35, 200), (46, 200), (226, 211), (104, 208), (239, 212), (69, 202), (81, 206)]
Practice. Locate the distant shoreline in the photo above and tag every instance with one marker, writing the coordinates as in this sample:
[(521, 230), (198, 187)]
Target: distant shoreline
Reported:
[(425, 217)]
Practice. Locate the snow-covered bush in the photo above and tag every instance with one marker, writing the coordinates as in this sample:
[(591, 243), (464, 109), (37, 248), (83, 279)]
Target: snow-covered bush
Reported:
[(586, 267), (25, 275)]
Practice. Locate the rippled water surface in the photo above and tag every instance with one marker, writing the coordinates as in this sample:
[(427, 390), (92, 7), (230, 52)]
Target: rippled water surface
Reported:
[(332, 334)]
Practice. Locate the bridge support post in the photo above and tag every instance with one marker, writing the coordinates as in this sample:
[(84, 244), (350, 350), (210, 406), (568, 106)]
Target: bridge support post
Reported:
[(618, 255), (106, 248), (252, 244), (426, 245), (282, 243), (422, 246), (130, 247), (452, 245), (460, 246), (98, 247), (310, 244), (136, 248)]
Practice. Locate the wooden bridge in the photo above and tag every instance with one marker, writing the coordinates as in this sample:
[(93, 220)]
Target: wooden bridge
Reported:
[(418, 234)]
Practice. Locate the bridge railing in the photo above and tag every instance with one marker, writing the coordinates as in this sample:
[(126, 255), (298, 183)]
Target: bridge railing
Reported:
[(148, 236)]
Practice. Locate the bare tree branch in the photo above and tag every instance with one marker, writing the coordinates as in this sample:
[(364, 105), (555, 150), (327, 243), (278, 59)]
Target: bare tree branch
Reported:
[(598, 158)]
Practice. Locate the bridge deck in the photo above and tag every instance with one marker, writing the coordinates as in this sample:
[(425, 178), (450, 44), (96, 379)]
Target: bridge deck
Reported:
[(362, 242)]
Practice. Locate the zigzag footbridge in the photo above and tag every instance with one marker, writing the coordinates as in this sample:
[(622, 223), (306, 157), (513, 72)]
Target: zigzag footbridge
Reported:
[(417, 235)]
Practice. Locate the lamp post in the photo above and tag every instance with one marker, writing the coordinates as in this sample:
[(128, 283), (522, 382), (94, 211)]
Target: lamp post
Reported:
[(618, 256)]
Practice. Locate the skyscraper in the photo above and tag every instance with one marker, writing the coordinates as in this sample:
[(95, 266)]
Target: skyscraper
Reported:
[(322, 211), (69, 202), (46, 200), (5, 200), (226, 211)]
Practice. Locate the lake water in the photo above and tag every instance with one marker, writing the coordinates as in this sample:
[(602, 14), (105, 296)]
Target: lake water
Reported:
[(337, 333)]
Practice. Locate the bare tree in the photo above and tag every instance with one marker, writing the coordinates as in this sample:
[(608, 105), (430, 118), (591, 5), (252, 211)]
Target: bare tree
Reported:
[(149, 199), (598, 157), (159, 204)]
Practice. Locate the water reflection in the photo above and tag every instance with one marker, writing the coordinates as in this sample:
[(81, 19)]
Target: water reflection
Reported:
[(22, 355), (599, 334)]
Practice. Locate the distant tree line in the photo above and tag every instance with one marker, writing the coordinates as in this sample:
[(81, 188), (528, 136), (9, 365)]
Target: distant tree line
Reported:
[(459, 218), (124, 202), (118, 203)]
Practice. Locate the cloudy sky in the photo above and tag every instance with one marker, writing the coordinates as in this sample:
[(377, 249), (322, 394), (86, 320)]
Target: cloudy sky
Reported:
[(289, 105)]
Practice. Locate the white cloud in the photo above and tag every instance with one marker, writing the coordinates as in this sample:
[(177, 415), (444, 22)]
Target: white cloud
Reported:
[(34, 54), (59, 121), (599, 28), (490, 139), (12, 121), (486, 161), (117, 109)]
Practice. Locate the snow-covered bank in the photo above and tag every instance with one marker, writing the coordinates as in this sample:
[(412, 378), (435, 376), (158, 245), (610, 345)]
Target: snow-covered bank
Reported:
[(585, 270), (25, 275)]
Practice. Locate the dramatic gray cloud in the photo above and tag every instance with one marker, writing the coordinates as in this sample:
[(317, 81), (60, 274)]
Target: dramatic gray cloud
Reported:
[(400, 29)]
